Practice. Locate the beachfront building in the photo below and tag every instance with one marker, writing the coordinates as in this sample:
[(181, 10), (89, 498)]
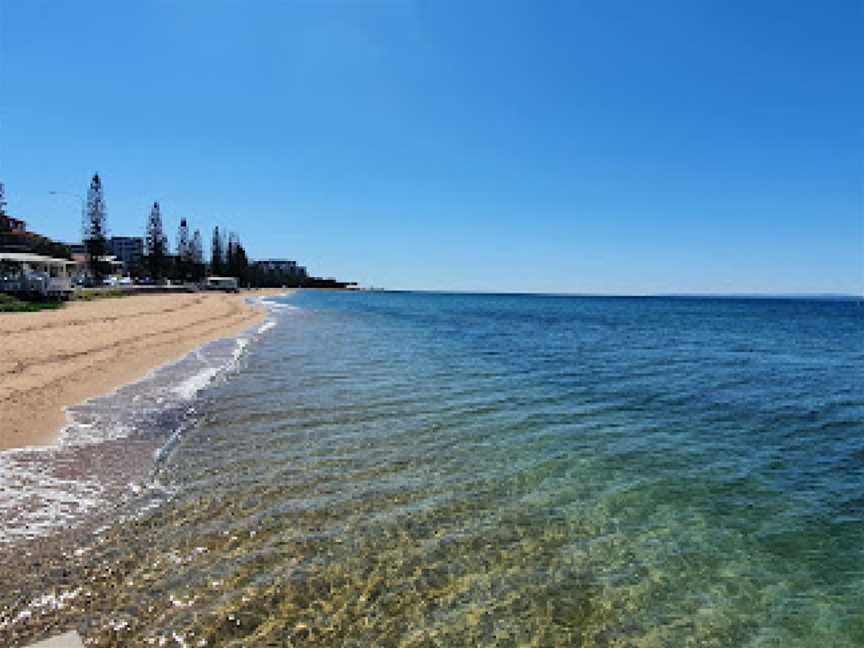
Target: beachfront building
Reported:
[(278, 272), (127, 249), (14, 237), (113, 266), (282, 267), (25, 274), (82, 271), (12, 225)]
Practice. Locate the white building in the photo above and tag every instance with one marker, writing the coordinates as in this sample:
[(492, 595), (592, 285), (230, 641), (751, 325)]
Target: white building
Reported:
[(35, 275)]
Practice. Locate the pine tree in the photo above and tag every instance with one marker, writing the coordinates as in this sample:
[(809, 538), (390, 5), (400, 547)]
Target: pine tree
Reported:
[(94, 228), (184, 252), (217, 259), (230, 266), (156, 244), (242, 263), (197, 248), (236, 261), (197, 256)]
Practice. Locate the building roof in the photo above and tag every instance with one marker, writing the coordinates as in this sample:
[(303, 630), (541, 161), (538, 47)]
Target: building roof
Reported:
[(27, 257), (109, 258), (11, 219)]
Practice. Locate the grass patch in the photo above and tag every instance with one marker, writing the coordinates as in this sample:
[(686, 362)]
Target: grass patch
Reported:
[(91, 294), (10, 304)]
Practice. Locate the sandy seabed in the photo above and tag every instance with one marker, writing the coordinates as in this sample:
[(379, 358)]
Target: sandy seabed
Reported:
[(52, 359)]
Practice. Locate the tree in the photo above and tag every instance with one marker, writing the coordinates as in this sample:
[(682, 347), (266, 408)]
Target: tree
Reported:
[(197, 250), (229, 256), (94, 228), (217, 258), (156, 244), (184, 252), (241, 262), (237, 262)]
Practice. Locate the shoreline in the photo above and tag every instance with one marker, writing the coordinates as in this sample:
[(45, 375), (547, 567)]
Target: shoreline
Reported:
[(56, 359)]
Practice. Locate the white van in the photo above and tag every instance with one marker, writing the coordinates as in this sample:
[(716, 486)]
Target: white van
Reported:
[(228, 284)]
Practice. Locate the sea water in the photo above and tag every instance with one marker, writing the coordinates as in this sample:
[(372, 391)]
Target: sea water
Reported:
[(406, 469)]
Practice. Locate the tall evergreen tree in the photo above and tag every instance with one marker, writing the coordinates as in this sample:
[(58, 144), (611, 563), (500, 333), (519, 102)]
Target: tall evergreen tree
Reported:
[(242, 263), (184, 252), (229, 256), (217, 257), (236, 262), (94, 228), (197, 256), (197, 247), (156, 244)]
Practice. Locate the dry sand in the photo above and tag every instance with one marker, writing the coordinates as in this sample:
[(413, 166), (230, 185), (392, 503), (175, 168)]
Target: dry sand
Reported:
[(52, 359)]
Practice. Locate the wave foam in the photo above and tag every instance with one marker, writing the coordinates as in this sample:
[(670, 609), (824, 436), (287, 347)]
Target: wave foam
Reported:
[(109, 443)]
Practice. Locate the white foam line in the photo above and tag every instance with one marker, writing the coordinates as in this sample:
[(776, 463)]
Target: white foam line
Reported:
[(44, 502), (245, 336), (195, 383)]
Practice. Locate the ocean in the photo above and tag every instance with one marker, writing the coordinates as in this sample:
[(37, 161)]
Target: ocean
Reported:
[(419, 469)]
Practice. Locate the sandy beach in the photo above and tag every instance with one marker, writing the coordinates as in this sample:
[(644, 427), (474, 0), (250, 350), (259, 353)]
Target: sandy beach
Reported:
[(53, 359)]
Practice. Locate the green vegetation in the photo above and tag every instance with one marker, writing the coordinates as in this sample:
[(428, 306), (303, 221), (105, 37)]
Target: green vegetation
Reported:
[(91, 294), (96, 229), (9, 304), (157, 259), (149, 260)]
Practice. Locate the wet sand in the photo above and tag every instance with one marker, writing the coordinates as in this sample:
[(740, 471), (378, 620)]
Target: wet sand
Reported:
[(52, 359), (67, 640)]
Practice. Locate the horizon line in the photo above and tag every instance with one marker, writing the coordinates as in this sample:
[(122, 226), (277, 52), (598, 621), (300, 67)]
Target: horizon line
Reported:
[(667, 295)]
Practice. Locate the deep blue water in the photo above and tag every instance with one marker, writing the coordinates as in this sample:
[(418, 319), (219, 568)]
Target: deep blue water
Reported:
[(458, 470)]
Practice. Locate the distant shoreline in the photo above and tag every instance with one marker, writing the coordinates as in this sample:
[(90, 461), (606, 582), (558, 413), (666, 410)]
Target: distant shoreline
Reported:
[(840, 297)]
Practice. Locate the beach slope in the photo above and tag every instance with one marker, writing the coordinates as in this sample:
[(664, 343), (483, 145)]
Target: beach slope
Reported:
[(52, 359)]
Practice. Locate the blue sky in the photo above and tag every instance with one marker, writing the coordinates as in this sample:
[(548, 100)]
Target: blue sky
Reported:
[(593, 146)]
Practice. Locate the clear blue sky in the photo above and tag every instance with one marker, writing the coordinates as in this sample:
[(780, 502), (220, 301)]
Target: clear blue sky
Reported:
[(580, 146)]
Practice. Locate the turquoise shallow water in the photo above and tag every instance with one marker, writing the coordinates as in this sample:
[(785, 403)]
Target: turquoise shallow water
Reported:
[(459, 470)]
